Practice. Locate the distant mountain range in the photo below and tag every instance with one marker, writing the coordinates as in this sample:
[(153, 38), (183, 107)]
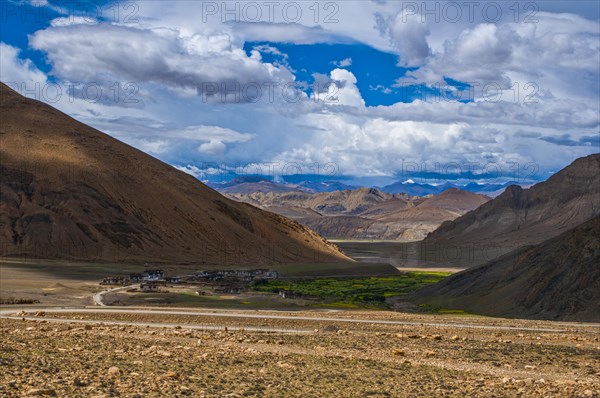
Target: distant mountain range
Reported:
[(250, 184), (70, 192), (410, 187), (367, 213)]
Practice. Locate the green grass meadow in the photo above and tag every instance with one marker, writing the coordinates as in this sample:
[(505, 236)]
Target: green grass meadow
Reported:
[(355, 291)]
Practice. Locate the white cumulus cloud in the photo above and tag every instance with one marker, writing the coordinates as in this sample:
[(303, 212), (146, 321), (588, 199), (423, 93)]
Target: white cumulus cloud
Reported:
[(18, 72)]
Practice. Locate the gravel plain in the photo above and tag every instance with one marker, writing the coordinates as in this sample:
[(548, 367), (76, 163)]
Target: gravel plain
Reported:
[(40, 357)]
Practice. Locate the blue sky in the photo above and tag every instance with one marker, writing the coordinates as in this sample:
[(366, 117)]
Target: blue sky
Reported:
[(376, 71), (22, 18), (373, 68), (403, 91)]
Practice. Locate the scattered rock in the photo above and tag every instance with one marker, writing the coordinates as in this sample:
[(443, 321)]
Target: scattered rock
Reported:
[(114, 371), (172, 375), (285, 365), (41, 392)]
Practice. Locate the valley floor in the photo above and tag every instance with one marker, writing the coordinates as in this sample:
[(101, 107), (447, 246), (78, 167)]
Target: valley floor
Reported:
[(117, 352)]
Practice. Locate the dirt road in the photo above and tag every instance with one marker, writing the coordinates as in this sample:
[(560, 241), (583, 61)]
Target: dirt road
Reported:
[(560, 327)]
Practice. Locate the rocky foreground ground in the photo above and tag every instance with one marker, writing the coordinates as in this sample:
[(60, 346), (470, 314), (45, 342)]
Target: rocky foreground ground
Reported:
[(39, 357)]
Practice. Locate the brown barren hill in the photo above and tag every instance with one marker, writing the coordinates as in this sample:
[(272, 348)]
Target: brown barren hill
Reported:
[(368, 213), (448, 205), (523, 216), (347, 202), (558, 279), (455, 200), (69, 191)]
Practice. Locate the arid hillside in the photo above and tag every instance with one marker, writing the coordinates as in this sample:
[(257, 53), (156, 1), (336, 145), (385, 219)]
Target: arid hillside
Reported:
[(71, 192), (558, 279), (529, 216)]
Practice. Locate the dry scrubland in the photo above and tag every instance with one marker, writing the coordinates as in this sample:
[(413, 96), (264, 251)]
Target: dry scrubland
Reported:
[(332, 359)]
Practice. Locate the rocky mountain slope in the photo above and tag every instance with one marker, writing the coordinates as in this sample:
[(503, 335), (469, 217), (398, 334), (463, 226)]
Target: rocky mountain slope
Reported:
[(525, 216), (69, 191), (368, 213), (558, 279)]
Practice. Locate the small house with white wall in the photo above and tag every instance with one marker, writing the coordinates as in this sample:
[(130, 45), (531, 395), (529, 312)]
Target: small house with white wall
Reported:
[(150, 287), (154, 275)]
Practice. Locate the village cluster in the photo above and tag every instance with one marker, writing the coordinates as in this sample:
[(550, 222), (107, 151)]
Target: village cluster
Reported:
[(223, 281)]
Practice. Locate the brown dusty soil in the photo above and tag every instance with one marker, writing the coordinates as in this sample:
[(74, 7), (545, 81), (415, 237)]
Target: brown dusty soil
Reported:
[(333, 359)]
